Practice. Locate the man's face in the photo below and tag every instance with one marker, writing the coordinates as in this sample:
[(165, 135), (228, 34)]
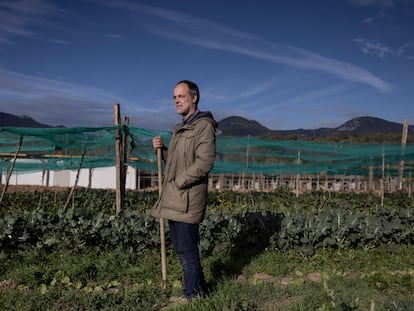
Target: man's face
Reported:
[(184, 102)]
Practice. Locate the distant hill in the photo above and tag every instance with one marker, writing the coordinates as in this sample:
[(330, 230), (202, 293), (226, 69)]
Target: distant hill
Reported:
[(239, 126), (369, 125), (10, 120)]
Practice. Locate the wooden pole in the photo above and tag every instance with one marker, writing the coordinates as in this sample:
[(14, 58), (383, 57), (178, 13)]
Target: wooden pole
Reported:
[(370, 178), (19, 145), (162, 230), (90, 172), (125, 156), (382, 178), (403, 143), (77, 178), (297, 175), (118, 160), (138, 187)]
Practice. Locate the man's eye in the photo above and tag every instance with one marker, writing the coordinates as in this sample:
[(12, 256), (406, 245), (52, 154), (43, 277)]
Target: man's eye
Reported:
[(179, 96)]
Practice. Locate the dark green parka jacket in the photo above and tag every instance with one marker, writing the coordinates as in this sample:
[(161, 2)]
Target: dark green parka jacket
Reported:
[(189, 159)]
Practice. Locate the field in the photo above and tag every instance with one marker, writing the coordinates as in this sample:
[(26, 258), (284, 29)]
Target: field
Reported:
[(260, 251)]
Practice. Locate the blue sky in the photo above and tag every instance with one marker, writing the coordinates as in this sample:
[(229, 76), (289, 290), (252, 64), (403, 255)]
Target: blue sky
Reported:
[(286, 64)]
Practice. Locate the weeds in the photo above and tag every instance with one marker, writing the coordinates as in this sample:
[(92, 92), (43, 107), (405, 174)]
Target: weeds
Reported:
[(113, 280)]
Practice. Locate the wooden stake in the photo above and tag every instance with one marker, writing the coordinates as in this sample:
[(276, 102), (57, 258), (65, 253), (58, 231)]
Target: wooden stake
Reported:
[(371, 178), (403, 143), (125, 157), (119, 161), (382, 178), (77, 178), (297, 175), (19, 145), (162, 231)]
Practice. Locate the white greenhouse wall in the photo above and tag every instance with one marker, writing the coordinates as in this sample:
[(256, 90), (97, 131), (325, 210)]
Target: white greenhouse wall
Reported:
[(102, 178), (25, 179)]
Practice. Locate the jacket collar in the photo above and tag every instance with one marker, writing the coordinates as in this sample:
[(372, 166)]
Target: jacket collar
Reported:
[(191, 118)]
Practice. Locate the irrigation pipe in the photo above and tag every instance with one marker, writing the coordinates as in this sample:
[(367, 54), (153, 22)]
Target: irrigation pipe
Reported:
[(162, 230)]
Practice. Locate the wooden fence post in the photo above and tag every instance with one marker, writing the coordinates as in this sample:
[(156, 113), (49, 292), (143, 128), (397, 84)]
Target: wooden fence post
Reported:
[(125, 157), (403, 143), (76, 179), (119, 193), (19, 145)]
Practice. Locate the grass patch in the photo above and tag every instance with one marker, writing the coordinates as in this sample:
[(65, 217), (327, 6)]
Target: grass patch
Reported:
[(374, 279)]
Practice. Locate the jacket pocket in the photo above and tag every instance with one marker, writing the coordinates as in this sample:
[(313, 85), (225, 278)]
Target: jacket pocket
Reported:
[(174, 198)]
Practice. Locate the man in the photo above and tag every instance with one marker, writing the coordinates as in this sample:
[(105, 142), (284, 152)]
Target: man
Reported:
[(189, 158)]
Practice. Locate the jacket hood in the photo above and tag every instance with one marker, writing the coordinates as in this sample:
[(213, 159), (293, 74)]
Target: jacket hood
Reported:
[(204, 114)]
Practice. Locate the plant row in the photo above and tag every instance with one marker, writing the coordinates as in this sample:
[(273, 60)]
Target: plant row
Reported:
[(251, 222)]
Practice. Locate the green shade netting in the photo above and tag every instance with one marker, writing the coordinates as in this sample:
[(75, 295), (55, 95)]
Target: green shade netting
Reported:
[(62, 148)]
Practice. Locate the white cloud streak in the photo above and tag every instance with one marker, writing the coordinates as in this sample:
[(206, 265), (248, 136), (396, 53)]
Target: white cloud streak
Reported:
[(55, 103), (59, 102), (304, 98), (407, 51), (207, 34), (373, 47), (292, 56), (114, 36), (20, 18), (60, 42), (184, 20), (377, 3)]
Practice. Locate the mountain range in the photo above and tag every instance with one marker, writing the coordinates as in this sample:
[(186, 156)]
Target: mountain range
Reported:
[(239, 127), (10, 120)]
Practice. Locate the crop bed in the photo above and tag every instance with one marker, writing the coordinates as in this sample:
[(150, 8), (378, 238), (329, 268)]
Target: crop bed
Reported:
[(288, 247)]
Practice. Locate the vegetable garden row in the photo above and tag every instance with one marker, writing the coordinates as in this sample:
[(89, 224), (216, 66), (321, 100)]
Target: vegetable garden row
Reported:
[(277, 220), (261, 251)]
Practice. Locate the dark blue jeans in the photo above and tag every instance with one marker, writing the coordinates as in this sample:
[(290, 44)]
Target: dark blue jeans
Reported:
[(185, 238)]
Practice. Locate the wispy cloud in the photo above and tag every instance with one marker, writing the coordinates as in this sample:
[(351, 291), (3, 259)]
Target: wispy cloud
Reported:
[(303, 99), (291, 56), (255, 90), (233, 92), (368, 20), (373, 47), (184, 20), (406, 50), (60, 42), (114, 36), (207, 34), (59, 101), (20, 18), (56, 102), (377, 3)]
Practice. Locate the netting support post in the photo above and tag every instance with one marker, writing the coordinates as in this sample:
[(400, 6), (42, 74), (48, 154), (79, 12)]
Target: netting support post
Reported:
[(382, 178), (119, 154), (371, 178), (19, 145), (72, 191), (403, 144), (125, 157)]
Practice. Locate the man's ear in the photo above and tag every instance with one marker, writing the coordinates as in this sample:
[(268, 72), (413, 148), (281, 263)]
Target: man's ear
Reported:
[(195, 97)]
